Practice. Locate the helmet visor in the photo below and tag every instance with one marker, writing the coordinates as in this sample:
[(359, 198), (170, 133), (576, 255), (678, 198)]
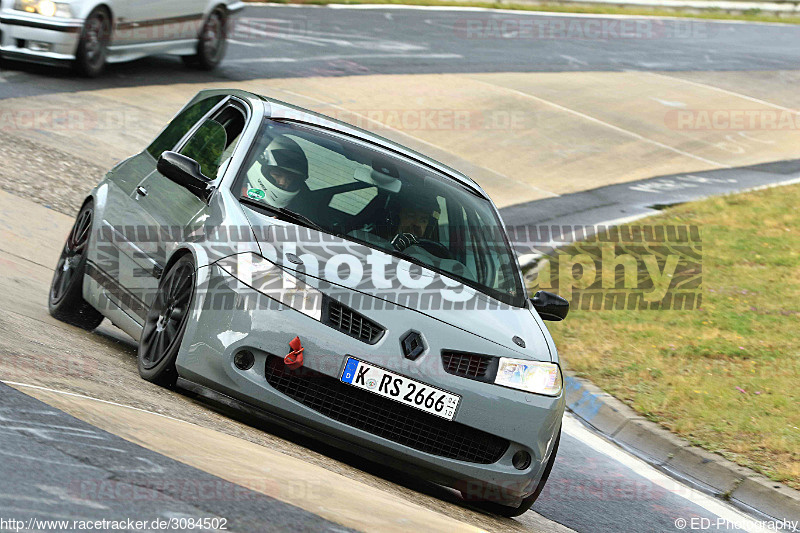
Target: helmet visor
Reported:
[(282, 178)]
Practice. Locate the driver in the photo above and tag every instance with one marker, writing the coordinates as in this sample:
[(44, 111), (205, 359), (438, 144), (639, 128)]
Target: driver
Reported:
[(284, 170), (415, 220)]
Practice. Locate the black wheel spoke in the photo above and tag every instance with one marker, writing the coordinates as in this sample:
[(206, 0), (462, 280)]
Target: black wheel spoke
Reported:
[(159, 346), (182, 285), (147, 334), (64, 281)]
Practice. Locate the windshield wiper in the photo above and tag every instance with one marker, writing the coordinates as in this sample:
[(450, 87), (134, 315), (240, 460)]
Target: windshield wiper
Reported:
[(286, 214)]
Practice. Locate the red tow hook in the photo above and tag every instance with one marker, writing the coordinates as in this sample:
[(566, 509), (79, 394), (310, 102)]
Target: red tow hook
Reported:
[(294, 359)]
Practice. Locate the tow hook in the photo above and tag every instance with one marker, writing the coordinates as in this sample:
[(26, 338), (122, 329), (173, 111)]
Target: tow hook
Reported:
[(294, 359)]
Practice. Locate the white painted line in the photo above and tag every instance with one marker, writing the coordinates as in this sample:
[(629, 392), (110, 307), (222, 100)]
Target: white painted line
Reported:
[(337, 57), (417, 139), (606, 124), (17, 384), (344, 40), (242, 43), (704, 4), (268, 60), (792, 181), (574, 60), (577, 430), (725, 91)]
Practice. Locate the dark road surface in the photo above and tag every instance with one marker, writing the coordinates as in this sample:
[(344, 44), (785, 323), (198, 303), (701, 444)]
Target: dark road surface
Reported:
[(282, 42)]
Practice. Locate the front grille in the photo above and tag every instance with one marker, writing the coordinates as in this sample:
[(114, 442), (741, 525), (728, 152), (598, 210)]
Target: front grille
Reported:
[(470, 365), (350, 322), (384, 417)]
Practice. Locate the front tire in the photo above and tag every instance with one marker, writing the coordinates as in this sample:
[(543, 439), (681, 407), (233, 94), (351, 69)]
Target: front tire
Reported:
[(90, 58), (212, 43), (65, 301), (166, 322), (511, 512)]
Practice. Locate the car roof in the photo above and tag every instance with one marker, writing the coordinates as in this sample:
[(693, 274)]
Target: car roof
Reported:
[(283, 110)]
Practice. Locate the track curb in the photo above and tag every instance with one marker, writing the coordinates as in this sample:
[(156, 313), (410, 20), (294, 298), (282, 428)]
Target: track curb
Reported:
[(659, 447)]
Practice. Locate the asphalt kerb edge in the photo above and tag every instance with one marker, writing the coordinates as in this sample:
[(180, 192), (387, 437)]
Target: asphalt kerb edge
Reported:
[(705, 471)]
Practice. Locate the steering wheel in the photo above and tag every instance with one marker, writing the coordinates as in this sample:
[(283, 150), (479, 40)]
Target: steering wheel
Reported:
[(402, 241), (436, 248)]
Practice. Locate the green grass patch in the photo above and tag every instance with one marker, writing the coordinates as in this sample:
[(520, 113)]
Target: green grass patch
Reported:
[(755, 15), (725, 376)]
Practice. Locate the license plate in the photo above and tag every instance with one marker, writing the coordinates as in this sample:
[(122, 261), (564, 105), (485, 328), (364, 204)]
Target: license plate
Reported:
[(400, 388)]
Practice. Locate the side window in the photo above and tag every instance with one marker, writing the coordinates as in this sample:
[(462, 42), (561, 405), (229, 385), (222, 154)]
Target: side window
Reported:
[(181, 125), (214, 141)]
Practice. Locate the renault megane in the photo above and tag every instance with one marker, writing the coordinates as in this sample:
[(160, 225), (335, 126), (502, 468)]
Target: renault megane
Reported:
[(332, 279)]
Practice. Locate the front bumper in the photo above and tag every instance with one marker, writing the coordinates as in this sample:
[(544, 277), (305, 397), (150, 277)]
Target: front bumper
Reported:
[(31, 37), (221, 326)]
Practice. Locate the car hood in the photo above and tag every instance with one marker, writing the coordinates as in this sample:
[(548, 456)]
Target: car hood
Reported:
[(341, 266)]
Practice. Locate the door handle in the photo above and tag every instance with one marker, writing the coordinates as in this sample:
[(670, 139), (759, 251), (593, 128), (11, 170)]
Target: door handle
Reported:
[(141, 191)]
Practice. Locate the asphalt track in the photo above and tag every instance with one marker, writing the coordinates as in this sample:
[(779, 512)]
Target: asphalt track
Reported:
[(285, 42), (59, 451)]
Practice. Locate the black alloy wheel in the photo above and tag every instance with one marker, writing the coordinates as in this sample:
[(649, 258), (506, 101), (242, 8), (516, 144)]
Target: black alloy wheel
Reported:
[(166, 322), (65, 301)]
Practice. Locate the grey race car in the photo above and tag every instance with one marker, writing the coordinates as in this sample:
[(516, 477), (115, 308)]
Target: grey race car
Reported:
[(333, 280)]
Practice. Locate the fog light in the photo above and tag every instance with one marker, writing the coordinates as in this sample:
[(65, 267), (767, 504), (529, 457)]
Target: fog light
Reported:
[(38, 46), (521, 460), (244, 360)]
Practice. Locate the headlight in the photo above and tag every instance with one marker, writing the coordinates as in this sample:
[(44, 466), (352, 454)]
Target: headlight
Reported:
[(48, 8), (531, 376)]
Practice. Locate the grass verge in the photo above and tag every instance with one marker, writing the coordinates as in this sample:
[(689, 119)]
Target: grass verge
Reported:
[(725, 376), (753, 15)]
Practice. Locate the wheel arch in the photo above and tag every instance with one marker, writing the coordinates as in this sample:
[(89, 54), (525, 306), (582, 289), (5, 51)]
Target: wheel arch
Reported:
[(222, 7), (88, 7), (199, 256), (91, 6)]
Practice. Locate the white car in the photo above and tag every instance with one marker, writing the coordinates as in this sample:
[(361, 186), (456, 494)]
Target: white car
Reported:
[(90, 33)]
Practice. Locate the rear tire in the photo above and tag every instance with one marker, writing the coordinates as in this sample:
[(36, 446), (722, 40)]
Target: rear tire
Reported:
[(166, 322), (65, 300), (90, 58), (511, 512), (212, 43)]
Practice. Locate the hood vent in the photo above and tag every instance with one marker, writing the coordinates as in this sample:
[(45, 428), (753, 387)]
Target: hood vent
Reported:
[(470, 365), (349, 322)]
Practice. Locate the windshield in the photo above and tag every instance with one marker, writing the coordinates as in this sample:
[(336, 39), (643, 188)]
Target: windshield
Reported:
[(349, 189)]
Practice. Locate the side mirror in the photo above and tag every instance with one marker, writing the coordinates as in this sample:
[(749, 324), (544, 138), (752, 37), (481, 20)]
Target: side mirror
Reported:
[(550, 306), (186, 172)]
